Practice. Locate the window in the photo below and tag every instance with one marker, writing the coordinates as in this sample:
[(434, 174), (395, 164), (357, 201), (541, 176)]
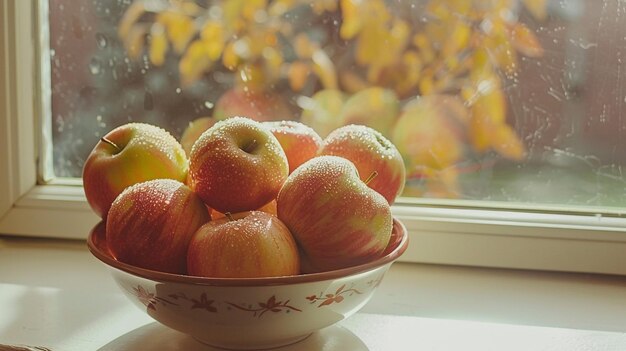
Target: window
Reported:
[(519, 125)]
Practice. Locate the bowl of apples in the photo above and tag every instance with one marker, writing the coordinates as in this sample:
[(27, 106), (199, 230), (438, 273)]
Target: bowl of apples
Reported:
[(256, 236)]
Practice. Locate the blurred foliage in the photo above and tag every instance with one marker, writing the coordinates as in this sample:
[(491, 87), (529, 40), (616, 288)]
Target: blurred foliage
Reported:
[(429, 75)]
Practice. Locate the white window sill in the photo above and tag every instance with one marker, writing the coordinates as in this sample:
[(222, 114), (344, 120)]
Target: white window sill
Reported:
[(43, 282)]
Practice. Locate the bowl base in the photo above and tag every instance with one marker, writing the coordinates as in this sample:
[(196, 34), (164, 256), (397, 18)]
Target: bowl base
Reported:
[(257, 346)]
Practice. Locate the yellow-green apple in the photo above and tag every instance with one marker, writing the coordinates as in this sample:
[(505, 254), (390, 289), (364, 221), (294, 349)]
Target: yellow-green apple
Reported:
[(150, 224), (259, 105), (374, 107), (370, 152), (193, 132), (336, 219), (130, 154), (237, 165), (244, 245), (299, 141), (430, 131), (321, 111)]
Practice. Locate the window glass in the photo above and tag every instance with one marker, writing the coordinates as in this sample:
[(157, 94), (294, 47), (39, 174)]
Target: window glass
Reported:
[(500, 100)]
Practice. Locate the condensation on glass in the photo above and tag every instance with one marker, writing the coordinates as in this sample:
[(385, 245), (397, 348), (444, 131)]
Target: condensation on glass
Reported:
[(518, 101)]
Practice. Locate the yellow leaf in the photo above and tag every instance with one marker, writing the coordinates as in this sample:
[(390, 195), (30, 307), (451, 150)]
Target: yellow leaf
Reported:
[(190, 8), (212, 35), (229, 57), (134, 41), (480, 66), (426, 52), (252, 76), (352, 82), (251, 8), (371, 42), (236, 13), (507, 143), (351, 24), (273, 62), (457, 40), (439, 10), (488, 128), (491, 103), (158, 44), (501, 52), (298, 73), (426, 85), (538, 8), (131, 15), (321, 6), (525, 41), (194, 62), (180, 29), (325, 69), (280, 7), (373, 73), (412, 65), (479, 129)]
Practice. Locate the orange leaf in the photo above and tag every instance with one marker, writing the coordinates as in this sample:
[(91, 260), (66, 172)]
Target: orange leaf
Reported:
[(525, 41), (298, 73), (303, 46)]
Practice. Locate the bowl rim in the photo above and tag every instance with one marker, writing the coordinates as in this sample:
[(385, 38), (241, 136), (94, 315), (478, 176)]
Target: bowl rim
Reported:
[(95, 240)]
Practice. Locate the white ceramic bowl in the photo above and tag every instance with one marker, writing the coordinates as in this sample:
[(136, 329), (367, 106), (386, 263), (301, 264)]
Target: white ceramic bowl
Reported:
[(253, 313)]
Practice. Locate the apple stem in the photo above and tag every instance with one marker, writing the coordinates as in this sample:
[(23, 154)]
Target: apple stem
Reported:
[(250, 146), (105, 140), (372, 176), (229, 216)]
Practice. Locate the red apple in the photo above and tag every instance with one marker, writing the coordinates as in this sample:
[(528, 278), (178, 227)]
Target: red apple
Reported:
[(150, 225), (130, 154), (299, 141), (256, 104), (246, 245), (193, 132), (237, 165), (370, 152), (337, 220)]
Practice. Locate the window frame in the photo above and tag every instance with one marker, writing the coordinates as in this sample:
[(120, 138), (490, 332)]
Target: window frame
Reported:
[(441, 232)]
